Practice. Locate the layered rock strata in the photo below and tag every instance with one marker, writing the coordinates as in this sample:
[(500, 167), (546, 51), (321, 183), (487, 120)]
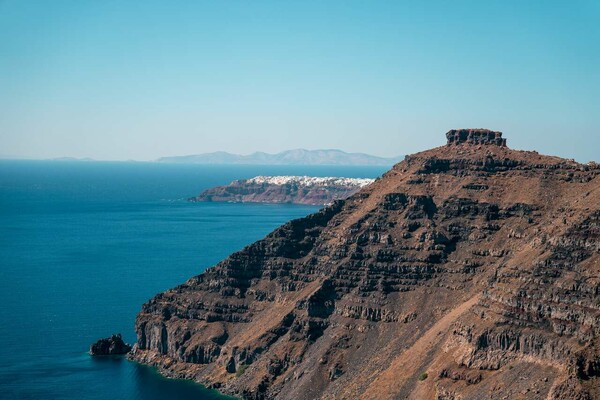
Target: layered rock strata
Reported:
[(467, 271), (475, 136)]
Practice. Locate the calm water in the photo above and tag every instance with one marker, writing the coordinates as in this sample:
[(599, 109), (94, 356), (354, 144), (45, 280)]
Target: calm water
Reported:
[(83, 245)]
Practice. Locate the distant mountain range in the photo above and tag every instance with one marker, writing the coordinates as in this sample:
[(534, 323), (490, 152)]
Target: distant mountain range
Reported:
[(72, 159), (289, 157)]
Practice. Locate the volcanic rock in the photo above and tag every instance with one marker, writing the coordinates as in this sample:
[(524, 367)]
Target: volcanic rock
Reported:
[(472, 264), (475, 136), (285, 189), (113, 345)]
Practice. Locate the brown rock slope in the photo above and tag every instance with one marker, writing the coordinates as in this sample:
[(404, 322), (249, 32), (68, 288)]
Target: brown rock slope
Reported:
[(470, 271)]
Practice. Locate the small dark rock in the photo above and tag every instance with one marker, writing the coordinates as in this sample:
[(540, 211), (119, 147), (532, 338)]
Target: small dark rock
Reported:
[(113, 345)]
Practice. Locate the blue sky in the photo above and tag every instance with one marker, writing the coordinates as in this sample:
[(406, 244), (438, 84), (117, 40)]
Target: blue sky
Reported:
[(139, 80)]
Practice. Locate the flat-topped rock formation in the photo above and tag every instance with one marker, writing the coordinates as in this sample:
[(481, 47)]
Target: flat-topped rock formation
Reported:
[(285, 189), (475, 136), (469, 271)]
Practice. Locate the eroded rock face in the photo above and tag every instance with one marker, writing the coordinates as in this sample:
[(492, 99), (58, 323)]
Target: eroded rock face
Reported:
[(113, 345), (475, 136), (473, 263)]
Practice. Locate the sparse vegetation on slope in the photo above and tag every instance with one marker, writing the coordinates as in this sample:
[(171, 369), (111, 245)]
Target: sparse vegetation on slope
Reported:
[(474, 262)]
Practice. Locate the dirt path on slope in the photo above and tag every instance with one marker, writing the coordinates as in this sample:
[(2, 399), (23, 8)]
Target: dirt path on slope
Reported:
[(398, 380)]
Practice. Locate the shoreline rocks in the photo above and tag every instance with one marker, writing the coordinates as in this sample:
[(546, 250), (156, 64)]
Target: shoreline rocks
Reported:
[(109, 346)]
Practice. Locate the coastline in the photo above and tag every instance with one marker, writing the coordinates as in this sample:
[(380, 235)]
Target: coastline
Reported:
[(161, 369)]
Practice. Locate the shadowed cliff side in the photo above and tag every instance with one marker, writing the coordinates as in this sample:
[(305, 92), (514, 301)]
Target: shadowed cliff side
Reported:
[(459, 273)]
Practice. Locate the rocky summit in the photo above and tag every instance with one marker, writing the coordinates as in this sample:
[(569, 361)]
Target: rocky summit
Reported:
[(475, 136), (469, 271)]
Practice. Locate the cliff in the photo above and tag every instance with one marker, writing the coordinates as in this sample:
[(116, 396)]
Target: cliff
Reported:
[(467, 271), (285, 189)]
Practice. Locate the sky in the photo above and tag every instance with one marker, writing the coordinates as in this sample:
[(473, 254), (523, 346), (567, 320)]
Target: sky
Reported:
[(120, 80)]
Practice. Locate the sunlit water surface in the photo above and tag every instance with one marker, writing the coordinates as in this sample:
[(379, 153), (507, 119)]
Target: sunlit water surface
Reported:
[(84, 244)]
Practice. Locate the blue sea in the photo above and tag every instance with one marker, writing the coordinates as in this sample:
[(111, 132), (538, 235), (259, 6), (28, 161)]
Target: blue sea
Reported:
[(84, 244)]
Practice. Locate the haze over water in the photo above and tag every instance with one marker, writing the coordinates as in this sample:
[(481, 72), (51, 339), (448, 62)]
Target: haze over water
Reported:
[(84, 245)]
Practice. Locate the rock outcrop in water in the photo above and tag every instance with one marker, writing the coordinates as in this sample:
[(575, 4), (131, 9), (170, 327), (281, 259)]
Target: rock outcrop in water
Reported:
[(113, 345), (468, 271), (285, 189)]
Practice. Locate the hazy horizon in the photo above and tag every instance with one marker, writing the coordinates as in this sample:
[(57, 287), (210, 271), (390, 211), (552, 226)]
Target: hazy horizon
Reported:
[(143, 80), (66, 157)]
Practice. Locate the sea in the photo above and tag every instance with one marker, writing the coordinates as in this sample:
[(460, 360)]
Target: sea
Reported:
[(84, 244)]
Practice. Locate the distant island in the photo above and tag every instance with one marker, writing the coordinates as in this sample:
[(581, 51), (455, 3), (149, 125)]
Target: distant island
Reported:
[(288, 157), (285, 189), (72, 159)]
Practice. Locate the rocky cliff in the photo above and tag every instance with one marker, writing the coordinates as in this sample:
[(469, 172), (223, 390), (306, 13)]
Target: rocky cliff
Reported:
[(468, 271), (285, 189)]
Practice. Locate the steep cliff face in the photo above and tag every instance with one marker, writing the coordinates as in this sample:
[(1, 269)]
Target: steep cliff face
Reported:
[(285, 189), (467, 271)]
